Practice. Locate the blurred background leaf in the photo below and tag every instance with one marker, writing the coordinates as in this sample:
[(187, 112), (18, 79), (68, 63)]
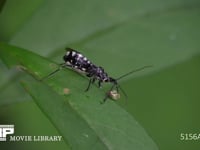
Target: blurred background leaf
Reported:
[(120, 36)]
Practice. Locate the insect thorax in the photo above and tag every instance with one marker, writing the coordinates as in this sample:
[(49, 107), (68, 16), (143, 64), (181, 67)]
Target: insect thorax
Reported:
[(99, 74)]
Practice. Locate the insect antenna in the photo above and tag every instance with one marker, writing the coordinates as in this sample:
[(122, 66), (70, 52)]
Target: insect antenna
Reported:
[(133, 71), (126, 97), (61, 66)]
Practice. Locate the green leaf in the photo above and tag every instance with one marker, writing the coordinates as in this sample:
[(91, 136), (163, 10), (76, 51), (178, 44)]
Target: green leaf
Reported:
[(2, 4), (78, 116)]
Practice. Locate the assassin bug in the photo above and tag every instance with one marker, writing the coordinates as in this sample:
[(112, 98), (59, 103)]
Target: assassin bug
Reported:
[(76, 61)]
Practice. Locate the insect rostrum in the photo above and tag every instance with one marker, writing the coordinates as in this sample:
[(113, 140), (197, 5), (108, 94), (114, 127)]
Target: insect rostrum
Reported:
[(76, 61)]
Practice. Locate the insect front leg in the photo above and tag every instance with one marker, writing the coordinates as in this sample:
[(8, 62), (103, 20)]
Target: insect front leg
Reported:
[(107, 94), (117, 88)]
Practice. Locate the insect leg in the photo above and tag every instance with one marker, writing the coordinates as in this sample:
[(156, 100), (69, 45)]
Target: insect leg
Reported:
[(92, 80), (117, 88), (88, 85), (52, 73), (99, 84), (107, 94)]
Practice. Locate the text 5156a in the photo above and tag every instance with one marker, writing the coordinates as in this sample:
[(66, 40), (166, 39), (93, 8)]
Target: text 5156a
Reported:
[(190, 136)]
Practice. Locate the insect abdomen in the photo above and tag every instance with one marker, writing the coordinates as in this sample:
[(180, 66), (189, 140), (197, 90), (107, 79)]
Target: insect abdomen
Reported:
[(76, 60)]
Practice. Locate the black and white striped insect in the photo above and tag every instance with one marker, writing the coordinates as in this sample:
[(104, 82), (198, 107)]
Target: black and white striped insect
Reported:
[(76, 61)]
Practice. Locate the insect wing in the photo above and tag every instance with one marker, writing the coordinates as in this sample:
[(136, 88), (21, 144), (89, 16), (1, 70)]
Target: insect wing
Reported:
[(76, 60)]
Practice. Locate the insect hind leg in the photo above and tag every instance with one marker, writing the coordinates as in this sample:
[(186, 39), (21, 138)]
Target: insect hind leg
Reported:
[(61, 66), (92, 80)]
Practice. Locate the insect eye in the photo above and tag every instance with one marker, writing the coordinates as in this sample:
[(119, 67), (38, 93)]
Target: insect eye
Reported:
[(106, 80)]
